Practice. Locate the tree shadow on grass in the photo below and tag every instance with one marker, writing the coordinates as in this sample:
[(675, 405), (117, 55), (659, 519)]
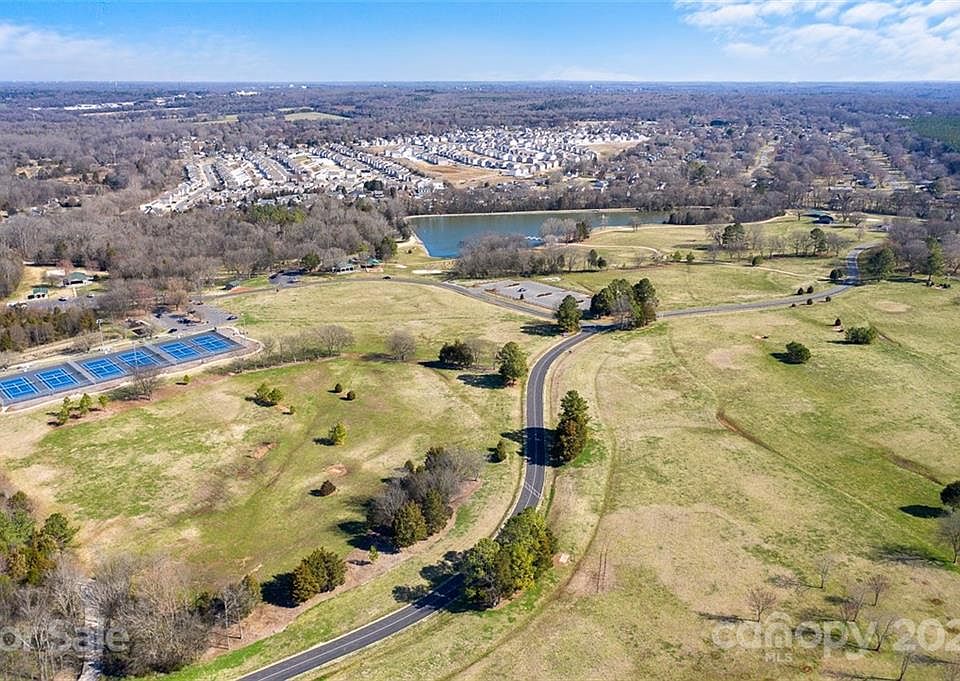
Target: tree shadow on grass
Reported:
[(410, 594), (541, 329), (901, 553), (443, 586), (363, 538), (719, 617), (513, 435), (487, 381), (436, 364), (377, 357), (278, 590), (784, 358), (923, 511)]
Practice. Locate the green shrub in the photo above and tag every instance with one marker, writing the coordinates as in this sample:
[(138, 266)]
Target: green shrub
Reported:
[(351, 396), (320, 571), (756, 260), (797, 353), (501, 451), (338, 388), (457, 354), (327, 488), (338, 433), (266, 396), (861, 335)]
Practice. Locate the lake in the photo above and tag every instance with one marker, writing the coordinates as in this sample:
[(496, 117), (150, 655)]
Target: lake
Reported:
[(443, 234)]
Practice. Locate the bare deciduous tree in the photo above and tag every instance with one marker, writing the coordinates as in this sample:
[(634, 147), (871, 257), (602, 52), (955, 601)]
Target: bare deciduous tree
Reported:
[(144, 382), (824, 567), (401, 345), (877, 584), (949, 532), (760, 601), (851, 604), (484, 351), (334, 339)]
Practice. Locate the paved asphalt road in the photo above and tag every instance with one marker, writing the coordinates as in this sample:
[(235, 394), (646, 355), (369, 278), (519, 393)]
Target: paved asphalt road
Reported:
[(535, 434), (533, 477), (530, 495)]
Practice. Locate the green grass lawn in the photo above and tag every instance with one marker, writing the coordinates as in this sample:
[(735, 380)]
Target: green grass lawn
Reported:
[(371, 309), (225, 484), (705, 282), (722, 469)]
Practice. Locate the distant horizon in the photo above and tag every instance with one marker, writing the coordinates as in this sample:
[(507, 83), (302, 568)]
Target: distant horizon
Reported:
[(286, 84)]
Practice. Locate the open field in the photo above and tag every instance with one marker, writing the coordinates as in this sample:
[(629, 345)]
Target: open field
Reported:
[(371, 309), (456, 174), (312, 116), (719, 469), (681, 285), (227, 483), (32, 276), (630, 252)]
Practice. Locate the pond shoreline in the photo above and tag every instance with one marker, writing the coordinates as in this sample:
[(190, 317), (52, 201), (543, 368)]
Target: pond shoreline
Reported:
[(527, 212), (443, 235)]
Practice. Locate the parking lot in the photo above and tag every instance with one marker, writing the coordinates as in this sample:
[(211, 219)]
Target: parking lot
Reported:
[(535, 293)]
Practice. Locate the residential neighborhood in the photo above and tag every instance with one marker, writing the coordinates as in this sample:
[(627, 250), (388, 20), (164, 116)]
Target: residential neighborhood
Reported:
[(412, 164)]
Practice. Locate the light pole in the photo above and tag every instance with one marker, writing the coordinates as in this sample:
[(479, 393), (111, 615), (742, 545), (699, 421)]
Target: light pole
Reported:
[(100, 329)]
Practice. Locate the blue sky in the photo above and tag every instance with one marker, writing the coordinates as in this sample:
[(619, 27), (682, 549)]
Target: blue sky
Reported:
[(679, 40)]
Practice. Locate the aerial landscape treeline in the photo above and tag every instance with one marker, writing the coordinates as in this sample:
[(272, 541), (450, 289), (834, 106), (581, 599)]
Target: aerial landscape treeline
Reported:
[(761, 193)]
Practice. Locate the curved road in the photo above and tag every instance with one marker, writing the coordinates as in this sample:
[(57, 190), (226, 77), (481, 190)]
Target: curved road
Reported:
[(534, 475), (537, 456)]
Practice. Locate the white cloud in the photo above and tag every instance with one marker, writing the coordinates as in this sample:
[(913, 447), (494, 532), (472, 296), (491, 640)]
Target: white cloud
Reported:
[(746, 50), (720, 15), (862, 40), (868, 13), (31, 53), (935, 8), (24, 49)]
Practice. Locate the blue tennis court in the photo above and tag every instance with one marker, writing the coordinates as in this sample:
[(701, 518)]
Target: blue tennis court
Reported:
[(17, 388), (211, 343), (98, 371), (56, 378), (102, 368), (179, 351), (138, 358)]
